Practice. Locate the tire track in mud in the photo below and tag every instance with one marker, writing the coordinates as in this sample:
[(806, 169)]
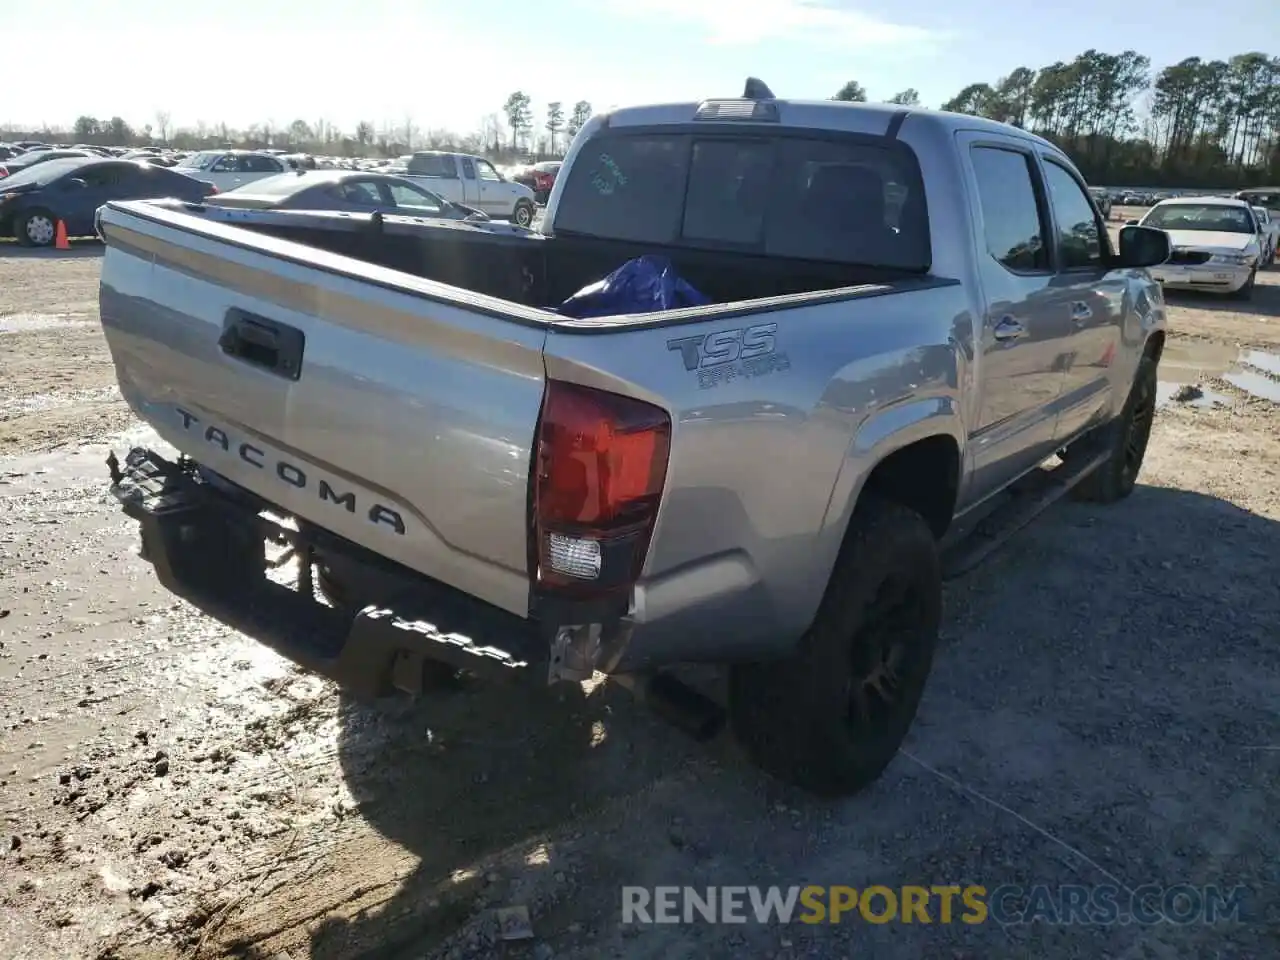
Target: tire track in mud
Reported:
[(273, 780)]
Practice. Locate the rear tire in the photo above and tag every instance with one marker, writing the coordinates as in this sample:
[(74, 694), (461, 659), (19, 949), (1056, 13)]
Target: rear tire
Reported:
[(523, 214), (1126, 437), (831, 718)]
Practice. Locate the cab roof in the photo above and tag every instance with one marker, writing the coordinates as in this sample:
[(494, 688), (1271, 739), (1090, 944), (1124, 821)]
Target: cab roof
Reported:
[(759, 105)]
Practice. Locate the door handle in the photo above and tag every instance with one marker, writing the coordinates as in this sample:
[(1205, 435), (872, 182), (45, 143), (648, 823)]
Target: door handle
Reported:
[(1008, 329), (1080, 311)]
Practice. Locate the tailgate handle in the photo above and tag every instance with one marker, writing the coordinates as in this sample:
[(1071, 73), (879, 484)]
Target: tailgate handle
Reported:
[(259, 342)]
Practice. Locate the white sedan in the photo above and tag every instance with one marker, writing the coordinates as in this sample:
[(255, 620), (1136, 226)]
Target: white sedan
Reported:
[(228, 169), (1216, 244)]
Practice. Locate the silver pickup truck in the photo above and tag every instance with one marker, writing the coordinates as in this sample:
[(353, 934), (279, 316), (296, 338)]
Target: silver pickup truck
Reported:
[(912, 314)]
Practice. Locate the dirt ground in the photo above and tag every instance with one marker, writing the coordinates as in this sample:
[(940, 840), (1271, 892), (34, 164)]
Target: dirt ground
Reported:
[(1105, 709)]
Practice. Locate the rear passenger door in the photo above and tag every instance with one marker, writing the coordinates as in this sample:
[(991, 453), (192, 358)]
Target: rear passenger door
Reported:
[(1023, 332), (101, 183), (1090, 295), (257, 166)]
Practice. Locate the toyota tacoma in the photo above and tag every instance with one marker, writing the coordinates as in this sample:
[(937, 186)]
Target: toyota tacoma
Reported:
[(397, 459)]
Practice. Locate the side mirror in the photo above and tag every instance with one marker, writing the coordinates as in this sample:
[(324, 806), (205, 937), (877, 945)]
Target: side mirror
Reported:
[(1131, 223), (1143, 246)]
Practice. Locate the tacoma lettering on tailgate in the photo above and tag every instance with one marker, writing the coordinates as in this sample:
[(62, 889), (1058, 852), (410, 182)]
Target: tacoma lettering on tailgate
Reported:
[(286, 472), (726, 355)]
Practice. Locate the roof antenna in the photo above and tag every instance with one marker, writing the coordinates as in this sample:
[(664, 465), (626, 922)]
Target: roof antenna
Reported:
[(756, 89)]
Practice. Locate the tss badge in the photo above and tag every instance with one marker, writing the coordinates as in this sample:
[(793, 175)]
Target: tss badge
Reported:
[(729, 354)]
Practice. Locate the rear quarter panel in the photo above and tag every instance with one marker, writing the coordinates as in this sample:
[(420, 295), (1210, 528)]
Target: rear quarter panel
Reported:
[(769, 453)]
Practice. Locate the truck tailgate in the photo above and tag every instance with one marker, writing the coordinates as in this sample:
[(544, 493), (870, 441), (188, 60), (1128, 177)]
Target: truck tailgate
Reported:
[(353, 397)]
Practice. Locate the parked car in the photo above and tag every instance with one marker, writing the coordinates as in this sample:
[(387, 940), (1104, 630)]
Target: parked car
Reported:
[(540, 178), (32, 157), (299, 161), (71, 190), (10, 150), (1130, 198), (1217, 244), (1269, 223), (1103, 200), (763, 482), (473, 181), (1268, 197), (350, 190), (228, 169)]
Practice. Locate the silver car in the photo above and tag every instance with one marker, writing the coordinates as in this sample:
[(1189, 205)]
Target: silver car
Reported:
[(1216, 244), (350, 191), (1270, 226)]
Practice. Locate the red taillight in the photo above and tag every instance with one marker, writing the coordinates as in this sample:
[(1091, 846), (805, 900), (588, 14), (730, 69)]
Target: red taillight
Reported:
[(213, 188), (601, 465), (4, 172)]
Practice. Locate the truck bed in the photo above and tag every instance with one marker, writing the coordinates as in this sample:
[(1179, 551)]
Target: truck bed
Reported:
[(528, 268)]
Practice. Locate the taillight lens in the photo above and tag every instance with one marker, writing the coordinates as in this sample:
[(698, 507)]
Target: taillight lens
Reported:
[(601, 466), (4, 172)]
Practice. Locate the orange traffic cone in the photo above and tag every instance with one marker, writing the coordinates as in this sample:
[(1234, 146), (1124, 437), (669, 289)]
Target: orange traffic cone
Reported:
[(60, 241)]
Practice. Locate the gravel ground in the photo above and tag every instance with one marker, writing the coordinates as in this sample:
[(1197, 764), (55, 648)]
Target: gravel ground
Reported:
[(1104, 710)]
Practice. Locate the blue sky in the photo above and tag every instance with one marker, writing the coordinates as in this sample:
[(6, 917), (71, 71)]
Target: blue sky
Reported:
[(446, 65)]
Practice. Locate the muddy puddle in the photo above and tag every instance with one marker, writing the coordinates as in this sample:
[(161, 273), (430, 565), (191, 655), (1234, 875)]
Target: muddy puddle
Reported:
[(1186, 366), (85, 462), (32, 322), (1190, 394)]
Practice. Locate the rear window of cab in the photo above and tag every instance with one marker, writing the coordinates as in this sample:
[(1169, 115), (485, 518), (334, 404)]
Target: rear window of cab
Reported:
[(857, 201)]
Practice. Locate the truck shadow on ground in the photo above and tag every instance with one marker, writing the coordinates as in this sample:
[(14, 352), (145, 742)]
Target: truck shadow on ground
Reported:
[(479, 771), (462, 776), (9, 250)]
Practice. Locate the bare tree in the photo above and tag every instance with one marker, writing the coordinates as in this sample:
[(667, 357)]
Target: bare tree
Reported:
[(491, 132), (555, 121), (162, 125)]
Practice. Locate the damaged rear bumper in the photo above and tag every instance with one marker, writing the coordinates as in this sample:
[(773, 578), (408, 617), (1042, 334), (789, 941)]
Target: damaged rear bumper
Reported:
[(209, 546)]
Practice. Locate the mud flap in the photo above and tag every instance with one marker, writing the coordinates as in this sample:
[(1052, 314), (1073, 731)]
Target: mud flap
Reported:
[(208, 546)]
